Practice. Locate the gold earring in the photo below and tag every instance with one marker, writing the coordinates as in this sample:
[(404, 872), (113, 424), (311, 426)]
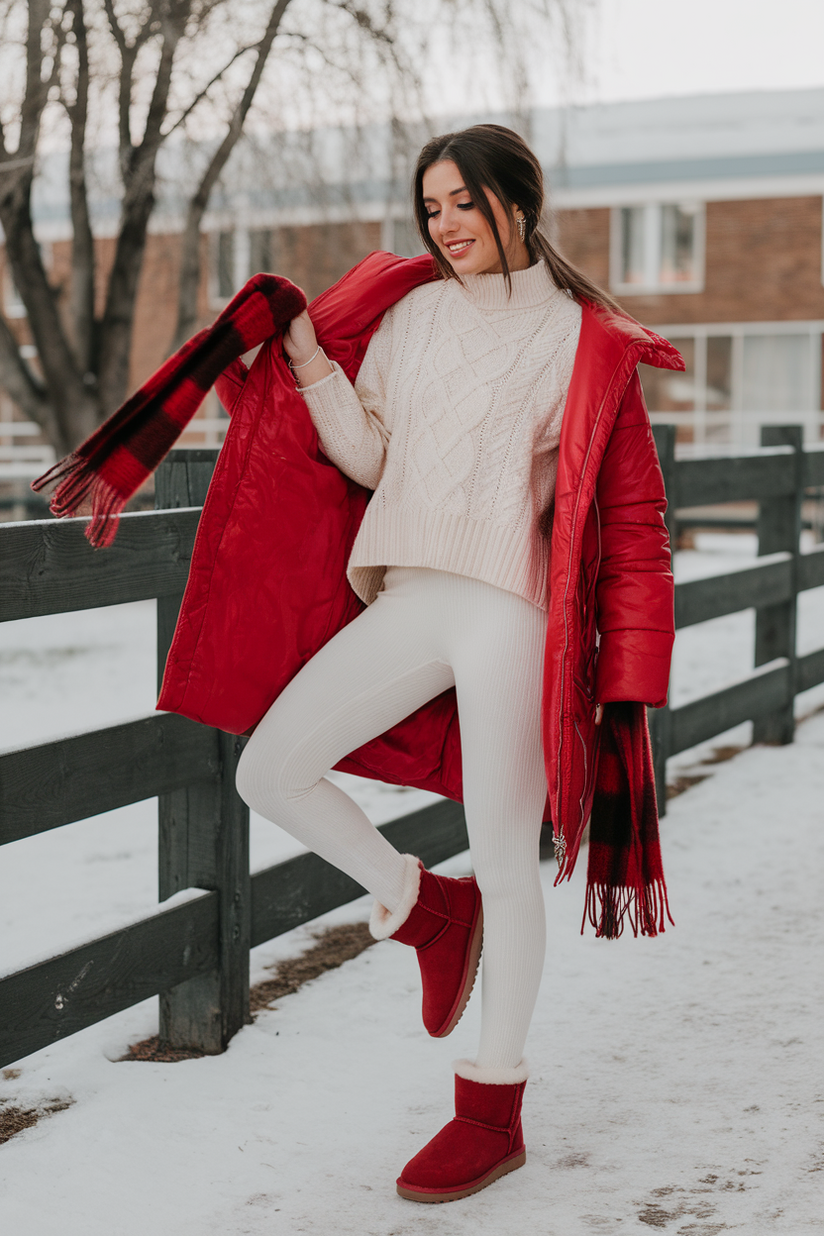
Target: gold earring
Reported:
[(522, 226)]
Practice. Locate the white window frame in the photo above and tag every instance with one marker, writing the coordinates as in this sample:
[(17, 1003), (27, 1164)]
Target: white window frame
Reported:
[(652, 250), (744, 422)]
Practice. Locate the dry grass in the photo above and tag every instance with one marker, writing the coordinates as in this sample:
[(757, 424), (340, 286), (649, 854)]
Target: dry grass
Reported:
[(334, 946), (15, 1119), (153, 1049), (720, 754), (676, 787)]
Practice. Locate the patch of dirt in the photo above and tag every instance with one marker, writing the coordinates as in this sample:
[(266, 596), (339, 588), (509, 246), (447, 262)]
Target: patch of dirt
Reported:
[(335, 945), (720, 754), (15, 1119), (702, 1213), (680, 784), (576, 1159), (656, 1216), (153, 1049)]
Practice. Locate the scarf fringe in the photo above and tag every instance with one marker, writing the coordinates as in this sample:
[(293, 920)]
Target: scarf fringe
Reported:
[(78, 485), (65, 474), (609, 908)]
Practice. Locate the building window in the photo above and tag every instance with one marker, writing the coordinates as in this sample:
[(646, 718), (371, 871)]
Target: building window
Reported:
[(235, 256), (658, 247), (401, 237), (223, 265), (739, 376), (261, 251)]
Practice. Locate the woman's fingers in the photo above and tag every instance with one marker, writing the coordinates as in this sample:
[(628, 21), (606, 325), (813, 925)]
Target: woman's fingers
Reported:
[(299, 340), (599, 713)]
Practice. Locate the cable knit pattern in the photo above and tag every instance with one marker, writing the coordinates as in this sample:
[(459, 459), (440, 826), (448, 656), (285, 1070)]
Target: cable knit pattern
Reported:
[(455, 421)]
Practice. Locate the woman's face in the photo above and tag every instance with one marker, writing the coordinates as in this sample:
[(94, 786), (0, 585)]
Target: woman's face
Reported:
[(460, 230)]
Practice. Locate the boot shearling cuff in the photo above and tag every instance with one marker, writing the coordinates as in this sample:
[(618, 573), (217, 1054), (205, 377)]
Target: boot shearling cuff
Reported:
[(492, 1077), (383, 924)]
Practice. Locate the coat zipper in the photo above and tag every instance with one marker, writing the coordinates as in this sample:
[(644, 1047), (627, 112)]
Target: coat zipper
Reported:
[(559, 840)]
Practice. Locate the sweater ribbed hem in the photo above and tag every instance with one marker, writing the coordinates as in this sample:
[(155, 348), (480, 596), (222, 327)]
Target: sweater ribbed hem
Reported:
[(510, 558)]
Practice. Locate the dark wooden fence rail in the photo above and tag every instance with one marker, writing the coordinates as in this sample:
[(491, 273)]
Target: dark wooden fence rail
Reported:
[(777, 477), (196, 954)]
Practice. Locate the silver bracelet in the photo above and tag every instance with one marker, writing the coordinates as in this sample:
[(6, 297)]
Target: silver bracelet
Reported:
[(305, 363)]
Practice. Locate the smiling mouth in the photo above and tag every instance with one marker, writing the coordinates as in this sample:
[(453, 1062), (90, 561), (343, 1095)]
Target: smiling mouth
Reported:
[(457, 247)]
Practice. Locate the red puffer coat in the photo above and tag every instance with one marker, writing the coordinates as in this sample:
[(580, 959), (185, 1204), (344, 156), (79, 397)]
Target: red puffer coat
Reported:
[(267, 586)]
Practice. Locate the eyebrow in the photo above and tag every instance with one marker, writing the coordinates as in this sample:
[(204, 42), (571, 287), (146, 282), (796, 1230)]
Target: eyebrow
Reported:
[(452, 193)]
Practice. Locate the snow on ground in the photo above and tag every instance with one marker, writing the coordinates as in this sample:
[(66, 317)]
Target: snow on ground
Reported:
[(677, 1083)]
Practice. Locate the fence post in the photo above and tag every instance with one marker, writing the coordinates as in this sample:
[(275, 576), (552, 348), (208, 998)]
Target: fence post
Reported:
[(779, 529), (204, 832), (660, 722)]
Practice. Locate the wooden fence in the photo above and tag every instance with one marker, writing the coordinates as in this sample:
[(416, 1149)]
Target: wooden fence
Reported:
[(195, 956), (777, 476)]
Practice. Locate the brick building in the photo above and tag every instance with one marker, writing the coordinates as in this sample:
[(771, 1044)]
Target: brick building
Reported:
[(704, 218), (702, 215)]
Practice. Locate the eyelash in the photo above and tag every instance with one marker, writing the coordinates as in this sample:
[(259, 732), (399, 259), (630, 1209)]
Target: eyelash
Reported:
[(433, 214)]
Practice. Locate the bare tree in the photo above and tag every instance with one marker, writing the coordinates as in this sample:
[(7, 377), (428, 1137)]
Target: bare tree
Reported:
[(136, 72)]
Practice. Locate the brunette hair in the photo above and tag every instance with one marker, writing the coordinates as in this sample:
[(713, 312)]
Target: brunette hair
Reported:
[(493, 157)]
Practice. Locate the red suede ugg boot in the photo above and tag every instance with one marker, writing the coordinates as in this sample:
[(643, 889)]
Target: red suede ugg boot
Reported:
[(442, 919), (481, 1144)]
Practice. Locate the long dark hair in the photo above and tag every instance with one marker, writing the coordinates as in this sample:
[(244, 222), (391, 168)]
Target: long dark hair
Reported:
[(493, 157)]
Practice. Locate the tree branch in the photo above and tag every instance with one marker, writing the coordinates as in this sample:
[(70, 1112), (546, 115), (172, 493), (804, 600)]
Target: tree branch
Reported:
[(201, 95), (128, 56), (139, 172), (23, 255), (35, 97), (83, 257), (190, 256)]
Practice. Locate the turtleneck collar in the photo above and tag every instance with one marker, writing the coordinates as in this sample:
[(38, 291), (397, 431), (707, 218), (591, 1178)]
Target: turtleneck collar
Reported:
[(530, 288)]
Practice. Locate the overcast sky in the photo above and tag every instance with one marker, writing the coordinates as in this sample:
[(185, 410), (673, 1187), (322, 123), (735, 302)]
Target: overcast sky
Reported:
[(647, 48)]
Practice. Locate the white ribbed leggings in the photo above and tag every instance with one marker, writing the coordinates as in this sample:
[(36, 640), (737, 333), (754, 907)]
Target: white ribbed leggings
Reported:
[(427, 631)]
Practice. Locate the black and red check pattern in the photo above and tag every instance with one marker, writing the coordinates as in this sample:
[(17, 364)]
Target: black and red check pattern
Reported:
[(114, 461), (625, 877)]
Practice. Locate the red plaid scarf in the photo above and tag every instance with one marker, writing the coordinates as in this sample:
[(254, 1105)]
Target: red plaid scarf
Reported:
[(625, 878), (114, 461)]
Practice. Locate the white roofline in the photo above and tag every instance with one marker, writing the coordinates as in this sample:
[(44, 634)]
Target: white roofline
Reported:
[(721, 190)]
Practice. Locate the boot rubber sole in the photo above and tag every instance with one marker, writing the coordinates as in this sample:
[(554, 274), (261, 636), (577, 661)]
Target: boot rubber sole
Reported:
[(471, 974), (453, 1195)]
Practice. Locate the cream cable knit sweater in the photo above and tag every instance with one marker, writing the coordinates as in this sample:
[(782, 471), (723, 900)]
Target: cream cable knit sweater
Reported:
[(455, 421)]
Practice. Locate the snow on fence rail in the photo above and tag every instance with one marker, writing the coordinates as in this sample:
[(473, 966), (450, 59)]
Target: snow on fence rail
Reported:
[(195, 956)]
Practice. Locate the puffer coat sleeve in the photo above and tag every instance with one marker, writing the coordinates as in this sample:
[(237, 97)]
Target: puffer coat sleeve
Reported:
[(635, 590)]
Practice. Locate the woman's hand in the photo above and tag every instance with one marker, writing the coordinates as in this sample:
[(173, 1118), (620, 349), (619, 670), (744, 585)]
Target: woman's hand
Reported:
[(300, 344), (599, 713)]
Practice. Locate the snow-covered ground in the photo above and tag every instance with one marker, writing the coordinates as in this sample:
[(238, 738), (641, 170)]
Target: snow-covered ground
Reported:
[(677, 1083)]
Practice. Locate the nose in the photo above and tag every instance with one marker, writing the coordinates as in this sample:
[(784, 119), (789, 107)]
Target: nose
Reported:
[(447, 220)]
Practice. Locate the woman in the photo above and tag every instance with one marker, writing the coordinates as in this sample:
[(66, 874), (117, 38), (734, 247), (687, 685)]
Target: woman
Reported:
[(455, 423), (514, 566)]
